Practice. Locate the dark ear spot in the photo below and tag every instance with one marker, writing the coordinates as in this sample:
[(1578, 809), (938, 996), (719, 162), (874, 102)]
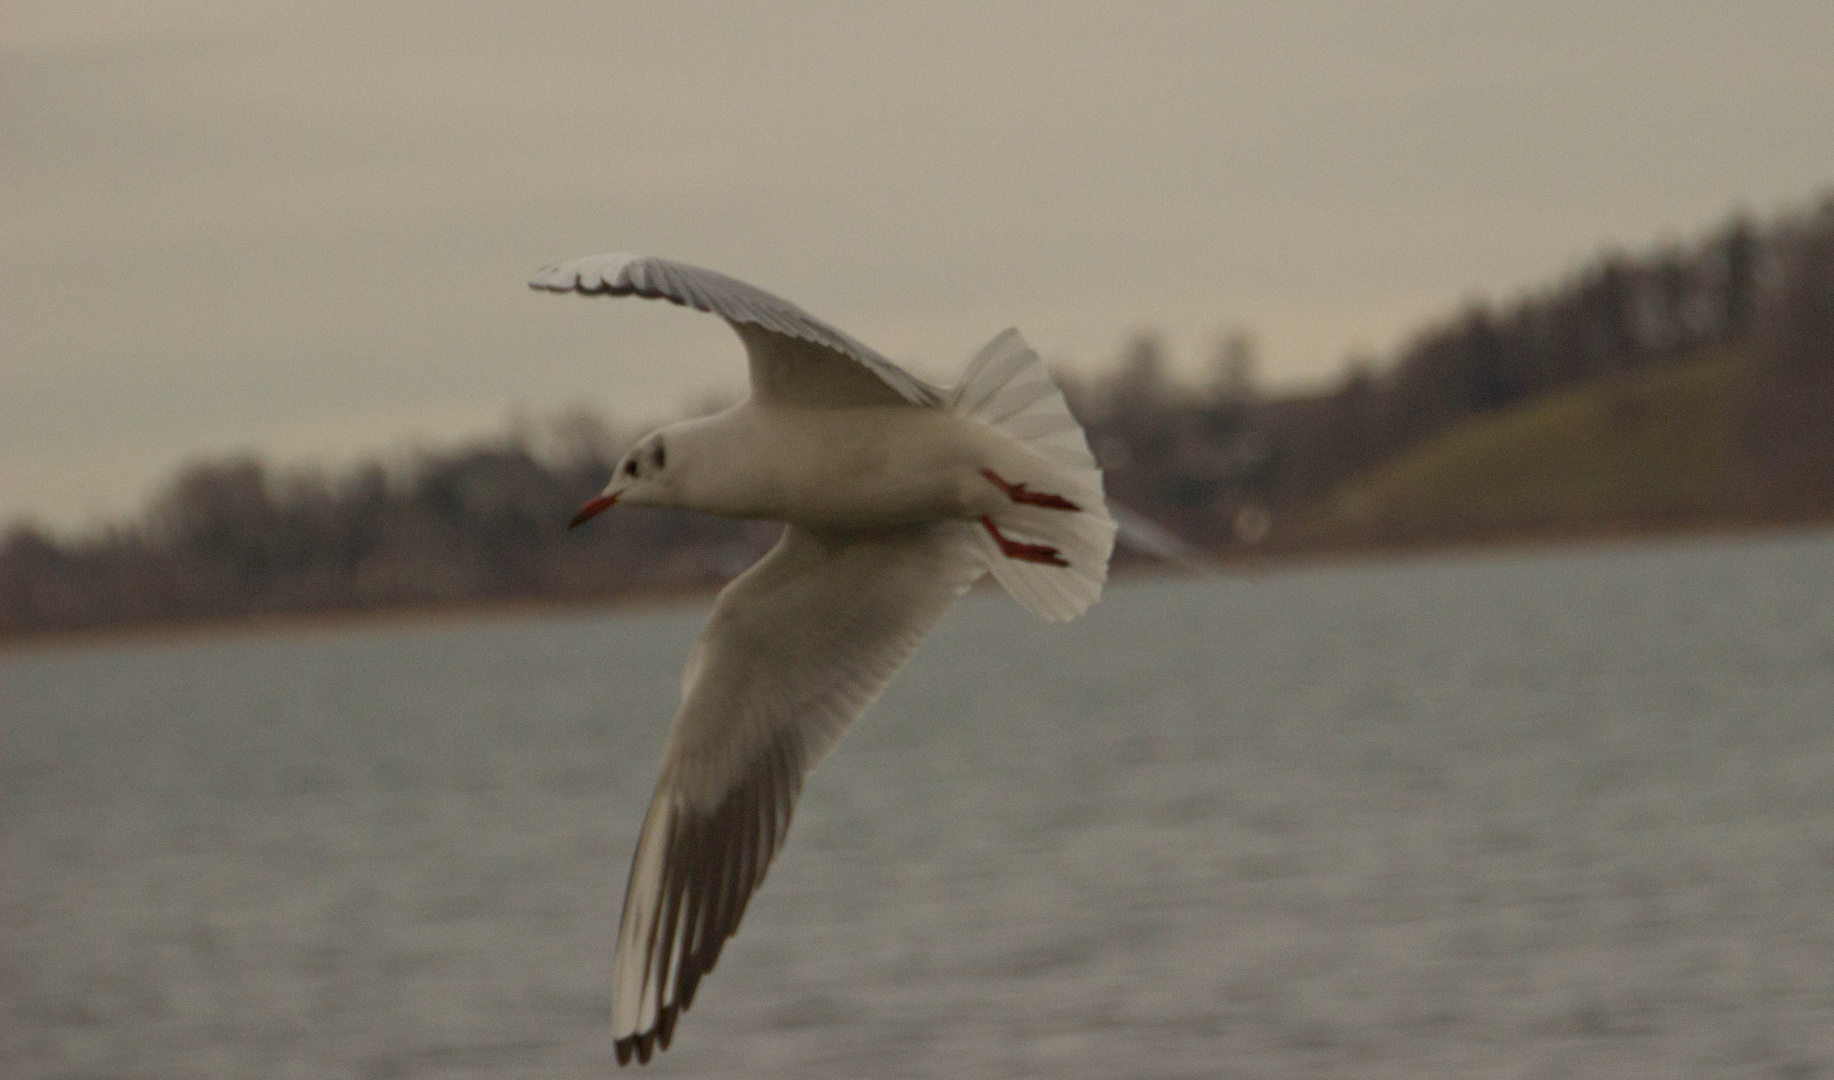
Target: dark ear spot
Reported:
[(662, 455)]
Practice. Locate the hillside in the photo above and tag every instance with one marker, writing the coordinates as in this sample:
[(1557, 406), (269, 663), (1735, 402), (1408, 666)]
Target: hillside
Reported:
[(1645, 448)]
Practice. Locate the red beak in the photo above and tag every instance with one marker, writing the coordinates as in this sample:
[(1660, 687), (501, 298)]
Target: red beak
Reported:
[(592, 509)]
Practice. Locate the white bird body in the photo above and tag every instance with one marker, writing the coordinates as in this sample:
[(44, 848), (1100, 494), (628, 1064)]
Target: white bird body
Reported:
[(847, 468), (897, 496)]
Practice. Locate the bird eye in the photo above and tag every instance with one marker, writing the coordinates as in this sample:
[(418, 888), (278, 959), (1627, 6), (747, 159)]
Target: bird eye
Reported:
[(630, 467)]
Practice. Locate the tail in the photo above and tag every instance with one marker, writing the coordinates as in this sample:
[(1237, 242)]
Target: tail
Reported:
[(1008, 389)]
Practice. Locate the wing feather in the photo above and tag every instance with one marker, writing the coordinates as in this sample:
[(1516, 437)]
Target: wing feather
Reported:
[(795, 358), (796, 648)]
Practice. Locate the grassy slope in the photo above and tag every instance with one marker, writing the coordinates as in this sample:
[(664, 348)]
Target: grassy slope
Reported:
[(1647, 448)]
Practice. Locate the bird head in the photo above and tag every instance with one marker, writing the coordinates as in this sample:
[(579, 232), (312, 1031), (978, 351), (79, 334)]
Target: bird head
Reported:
[(641, 479)]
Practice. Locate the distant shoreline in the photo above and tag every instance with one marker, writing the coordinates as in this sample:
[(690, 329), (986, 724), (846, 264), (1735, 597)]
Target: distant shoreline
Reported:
[(344, 620), (337, 622)]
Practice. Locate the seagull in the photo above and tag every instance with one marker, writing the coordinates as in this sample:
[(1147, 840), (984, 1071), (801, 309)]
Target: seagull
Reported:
[(896, 496)]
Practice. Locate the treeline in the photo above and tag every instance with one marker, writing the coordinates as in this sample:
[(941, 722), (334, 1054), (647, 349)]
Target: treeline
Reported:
[(479, 523), (1212, 460), (1221, 462)]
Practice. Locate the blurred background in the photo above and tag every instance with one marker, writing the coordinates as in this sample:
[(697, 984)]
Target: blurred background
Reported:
[(1479, 288)]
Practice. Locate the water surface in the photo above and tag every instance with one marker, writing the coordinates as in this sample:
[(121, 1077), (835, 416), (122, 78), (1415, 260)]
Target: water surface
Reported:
[(1511, 815)]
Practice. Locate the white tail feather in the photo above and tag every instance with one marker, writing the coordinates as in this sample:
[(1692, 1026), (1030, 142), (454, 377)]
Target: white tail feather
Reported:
[(1008, 389)]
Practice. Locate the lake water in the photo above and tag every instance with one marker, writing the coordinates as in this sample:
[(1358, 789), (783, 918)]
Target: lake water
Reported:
[(1562, 814)]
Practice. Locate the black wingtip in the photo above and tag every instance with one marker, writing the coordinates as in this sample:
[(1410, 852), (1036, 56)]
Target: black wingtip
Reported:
[(643, 1046)]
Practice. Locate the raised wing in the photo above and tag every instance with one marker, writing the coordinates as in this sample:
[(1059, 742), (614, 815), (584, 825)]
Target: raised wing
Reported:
[(796, 648), (796, 359)]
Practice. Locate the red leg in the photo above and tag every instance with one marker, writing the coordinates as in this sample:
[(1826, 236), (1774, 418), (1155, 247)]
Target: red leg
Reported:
[(1015, 549), (1018, 494)]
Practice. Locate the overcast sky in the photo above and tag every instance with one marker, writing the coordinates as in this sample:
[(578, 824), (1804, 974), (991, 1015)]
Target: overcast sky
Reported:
[(305, 229)]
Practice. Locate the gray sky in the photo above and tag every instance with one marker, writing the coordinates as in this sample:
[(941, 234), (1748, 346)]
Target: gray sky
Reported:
[(306, 228)]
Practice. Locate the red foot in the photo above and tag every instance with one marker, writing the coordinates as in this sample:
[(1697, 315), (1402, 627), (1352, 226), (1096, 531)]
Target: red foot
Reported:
[(1014, 549), (1018, 494)]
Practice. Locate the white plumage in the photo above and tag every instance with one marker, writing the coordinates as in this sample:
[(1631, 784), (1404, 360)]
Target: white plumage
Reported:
[(738, 303), (897, 496)]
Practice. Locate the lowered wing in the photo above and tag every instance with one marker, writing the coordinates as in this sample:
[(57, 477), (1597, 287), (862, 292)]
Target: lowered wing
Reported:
[(796, 648)]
